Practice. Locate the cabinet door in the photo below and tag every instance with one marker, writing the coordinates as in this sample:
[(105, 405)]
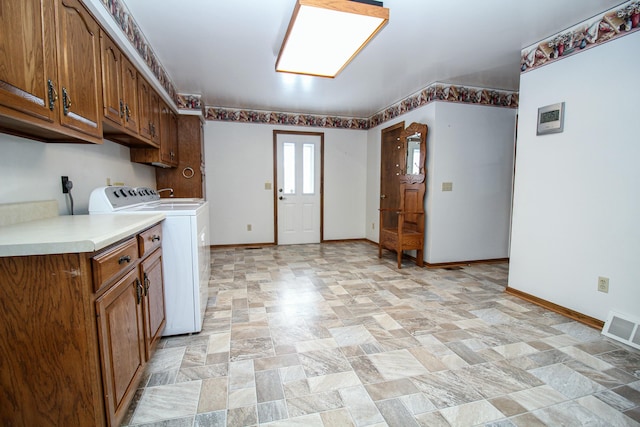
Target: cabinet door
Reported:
[(27, 58), (154, 312), (130, 95), (79, 68), (168, 137), (113, 107), (122, 349), (144, 111), (154, 113)]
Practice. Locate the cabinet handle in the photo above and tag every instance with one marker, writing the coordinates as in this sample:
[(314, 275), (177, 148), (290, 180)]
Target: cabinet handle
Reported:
[(66, 102), (155, 238), (138, 291), (53, 95), (121, 109), (127, 111), (147, 283), (123, 259)]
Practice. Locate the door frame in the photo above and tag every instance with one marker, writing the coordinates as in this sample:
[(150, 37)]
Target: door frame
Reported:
[(277, 132)]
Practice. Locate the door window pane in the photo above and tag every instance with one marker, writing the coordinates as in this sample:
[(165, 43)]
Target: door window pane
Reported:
[(308, 171), (289, 167)]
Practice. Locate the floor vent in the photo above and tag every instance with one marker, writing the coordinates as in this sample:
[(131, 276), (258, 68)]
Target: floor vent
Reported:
[(623, 328)]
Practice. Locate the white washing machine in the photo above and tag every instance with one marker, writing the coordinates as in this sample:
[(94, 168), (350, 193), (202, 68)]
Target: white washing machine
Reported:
[(185, 249)]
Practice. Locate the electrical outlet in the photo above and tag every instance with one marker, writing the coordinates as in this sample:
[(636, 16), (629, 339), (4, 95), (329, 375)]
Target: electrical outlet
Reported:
[(65, 180), (248, 227), (603, 284)]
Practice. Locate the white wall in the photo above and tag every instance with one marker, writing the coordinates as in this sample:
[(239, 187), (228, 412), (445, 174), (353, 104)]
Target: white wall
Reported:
[(239, 159), (576, 198), (31, 170), (474, 151), (472, 147)]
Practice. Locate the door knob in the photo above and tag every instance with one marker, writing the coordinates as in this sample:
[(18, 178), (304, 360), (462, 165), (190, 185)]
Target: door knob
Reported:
[(282, 198)]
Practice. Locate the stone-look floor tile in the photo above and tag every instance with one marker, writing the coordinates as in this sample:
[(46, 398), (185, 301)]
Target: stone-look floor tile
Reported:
[(242, 397), (507, 406), (606, 412), (313, 403), (337, 418), (470, 414), (362, 409), (333, 381), (210, 419), (213, 395), (397, 364), (272, 411), (432, 419), (323, 362), (241, 374), (537, 397), (241, 417), (391, 389), (396, 414), (268, 386), (331, 331), (567, 381), (445, 389), (164, 402)]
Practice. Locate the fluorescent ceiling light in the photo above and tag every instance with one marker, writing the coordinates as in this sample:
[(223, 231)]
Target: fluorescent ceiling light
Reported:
[(325, 35)]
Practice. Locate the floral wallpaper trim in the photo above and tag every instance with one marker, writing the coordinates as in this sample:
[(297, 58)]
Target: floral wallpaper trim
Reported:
[(279, 118), (447, 93), (185, 101), (120, 13), (434, 92), (611, 24)]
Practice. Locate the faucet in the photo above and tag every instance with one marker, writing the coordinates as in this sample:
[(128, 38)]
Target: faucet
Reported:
[(170, 190)]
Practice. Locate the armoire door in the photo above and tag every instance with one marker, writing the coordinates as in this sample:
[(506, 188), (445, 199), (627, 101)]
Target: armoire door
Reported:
[(390, 171)]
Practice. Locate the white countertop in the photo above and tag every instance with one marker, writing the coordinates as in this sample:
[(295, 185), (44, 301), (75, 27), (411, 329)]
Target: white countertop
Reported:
[(71, 234)]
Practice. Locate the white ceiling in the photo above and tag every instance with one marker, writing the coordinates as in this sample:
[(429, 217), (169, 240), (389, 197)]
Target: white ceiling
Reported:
[(225, 50)]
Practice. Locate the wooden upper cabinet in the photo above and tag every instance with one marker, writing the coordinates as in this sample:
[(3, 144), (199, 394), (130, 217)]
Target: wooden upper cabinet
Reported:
[(50, 71), (27, 58), (188, 178), (144, 105), (119, 87), (155, 116), (130, 95), (79, 91), (111, 59), (168, 136)]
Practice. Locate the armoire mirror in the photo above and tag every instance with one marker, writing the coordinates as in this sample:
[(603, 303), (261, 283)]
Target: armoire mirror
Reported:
[(413, 161)]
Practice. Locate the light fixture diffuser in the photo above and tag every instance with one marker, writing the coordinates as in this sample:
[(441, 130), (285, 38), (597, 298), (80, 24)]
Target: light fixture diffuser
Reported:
[(325, 35)]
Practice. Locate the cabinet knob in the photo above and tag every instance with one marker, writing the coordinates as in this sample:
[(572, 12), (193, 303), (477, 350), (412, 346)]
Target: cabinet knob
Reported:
[(155, 238), (123, 259)]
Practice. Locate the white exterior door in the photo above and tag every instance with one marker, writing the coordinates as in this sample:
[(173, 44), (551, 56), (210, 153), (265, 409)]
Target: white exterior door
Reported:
[(298, 188)]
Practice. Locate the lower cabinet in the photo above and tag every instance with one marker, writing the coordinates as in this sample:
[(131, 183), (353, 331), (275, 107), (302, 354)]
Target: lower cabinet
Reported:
[(122, 346), (76, 331)]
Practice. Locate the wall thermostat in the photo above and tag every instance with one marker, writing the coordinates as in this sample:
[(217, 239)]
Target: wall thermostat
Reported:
[(551, 119)]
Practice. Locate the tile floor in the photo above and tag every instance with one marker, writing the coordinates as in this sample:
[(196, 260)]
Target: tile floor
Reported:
[(330, 335)]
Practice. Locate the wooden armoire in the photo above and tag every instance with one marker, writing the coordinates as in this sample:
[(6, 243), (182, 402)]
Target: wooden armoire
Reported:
[(402, 226)]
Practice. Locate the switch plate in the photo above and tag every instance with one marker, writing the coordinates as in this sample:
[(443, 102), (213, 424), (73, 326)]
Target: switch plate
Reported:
[(603, 284), (447, 186), (248, 227), (267, 186)]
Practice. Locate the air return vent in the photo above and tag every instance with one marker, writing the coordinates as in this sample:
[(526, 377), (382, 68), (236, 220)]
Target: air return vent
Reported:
[(623, 328)]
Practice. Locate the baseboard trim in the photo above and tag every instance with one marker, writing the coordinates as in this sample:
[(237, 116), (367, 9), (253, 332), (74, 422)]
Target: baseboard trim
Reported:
[(243, 245), (356, 240), (567, 312), (463, 263)]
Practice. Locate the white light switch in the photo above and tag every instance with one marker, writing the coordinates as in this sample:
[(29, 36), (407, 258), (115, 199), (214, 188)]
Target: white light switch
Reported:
[(447, 186)]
